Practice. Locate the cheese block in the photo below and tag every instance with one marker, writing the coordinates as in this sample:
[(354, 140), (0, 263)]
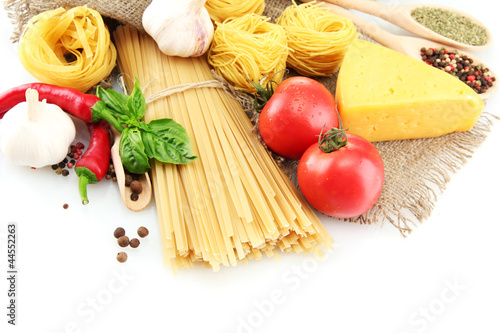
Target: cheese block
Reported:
[(385, 95)]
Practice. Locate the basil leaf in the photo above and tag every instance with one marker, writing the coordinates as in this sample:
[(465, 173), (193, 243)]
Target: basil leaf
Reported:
[(136, 103), (113, 100), (168, 142), (132, 151)]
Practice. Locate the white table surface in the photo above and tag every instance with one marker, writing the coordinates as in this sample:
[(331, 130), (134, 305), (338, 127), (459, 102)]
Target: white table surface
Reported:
[(442, 278)]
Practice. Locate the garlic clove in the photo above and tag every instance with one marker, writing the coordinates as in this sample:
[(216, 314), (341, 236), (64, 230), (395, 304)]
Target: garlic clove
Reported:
[(36, 134), (179, 27)]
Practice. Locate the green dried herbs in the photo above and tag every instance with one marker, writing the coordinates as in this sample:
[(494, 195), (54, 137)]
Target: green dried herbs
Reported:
[(451, 25)]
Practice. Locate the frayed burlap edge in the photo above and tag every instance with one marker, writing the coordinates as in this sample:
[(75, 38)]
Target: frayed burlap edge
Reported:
[(407, 207), (123, 11)]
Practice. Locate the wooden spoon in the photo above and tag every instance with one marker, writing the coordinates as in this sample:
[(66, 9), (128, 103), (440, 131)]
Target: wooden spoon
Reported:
[(400, 15), (146, 194), (410, 46)]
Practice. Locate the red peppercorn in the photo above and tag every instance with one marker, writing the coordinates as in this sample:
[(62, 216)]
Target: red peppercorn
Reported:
[(452, 56), (471, 78), (69, 165)]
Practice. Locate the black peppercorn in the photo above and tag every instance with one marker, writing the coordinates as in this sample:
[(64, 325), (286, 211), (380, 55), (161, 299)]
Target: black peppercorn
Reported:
[(134, 196)]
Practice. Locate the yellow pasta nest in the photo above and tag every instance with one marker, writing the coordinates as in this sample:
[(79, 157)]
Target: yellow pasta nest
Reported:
[(220, 10), (318, 38), (248, 48), (70, 48)]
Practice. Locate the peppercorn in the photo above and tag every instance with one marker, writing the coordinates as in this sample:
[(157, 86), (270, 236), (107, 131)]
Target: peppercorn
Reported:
[(134, 196), (136, 186), (134, 242), (119, 232), (54, 166), (142, 232), (65, 206), (121, 257), (123, 241), (64, 172), (59, 170), (128, 179), (475, 76)]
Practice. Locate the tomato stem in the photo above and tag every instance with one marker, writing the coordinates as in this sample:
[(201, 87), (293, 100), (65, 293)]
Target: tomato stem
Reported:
[(332, 140), (262, 95)]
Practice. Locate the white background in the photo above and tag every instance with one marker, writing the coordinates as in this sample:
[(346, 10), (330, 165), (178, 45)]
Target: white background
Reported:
[(442, 278)]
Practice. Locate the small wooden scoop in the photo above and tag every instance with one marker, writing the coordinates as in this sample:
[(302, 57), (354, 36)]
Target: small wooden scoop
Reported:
[(410, 46), (400, 15), (146, 194)]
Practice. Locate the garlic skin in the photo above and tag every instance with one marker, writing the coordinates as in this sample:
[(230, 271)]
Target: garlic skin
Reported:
[(36, 134), (180, 27)]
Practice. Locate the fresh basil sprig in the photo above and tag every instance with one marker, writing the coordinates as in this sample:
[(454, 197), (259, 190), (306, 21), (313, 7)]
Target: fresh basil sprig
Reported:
[(162, 139)]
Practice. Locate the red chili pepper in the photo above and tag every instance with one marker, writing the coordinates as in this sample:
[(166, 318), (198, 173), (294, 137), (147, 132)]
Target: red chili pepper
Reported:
[(83, 106), (94, 163)]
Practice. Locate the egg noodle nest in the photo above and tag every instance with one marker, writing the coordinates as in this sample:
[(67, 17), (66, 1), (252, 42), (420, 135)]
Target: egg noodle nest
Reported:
[(416, 171)]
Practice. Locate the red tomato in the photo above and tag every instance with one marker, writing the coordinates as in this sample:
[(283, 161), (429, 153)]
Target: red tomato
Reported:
[(344, 183), (294, 116)]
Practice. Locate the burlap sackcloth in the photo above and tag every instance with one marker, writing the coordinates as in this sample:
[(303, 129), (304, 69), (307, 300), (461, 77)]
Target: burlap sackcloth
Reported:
[(416, 171)]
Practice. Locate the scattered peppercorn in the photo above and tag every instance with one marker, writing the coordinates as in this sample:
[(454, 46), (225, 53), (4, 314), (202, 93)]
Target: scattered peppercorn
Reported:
[(142, 232), (65, 206), (119, 232), (136, 186), (134, 196), (121, 257), (475, 76), (134, 242), (65, 172), (123, 241)]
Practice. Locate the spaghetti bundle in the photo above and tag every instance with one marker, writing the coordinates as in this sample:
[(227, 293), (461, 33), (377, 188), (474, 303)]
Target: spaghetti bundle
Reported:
[(248, 48), (220, 10), (233, 203), (318, 38), (70, 48)]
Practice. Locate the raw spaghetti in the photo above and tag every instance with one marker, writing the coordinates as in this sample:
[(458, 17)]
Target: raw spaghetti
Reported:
[(220, 10), (233, 203), (248, 48), (70, 48), (318, 38)]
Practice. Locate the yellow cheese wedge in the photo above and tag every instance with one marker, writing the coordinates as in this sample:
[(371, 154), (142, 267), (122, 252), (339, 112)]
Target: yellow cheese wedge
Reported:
[(385, 95)]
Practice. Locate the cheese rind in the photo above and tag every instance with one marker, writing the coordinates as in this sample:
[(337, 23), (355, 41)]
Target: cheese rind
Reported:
[(385, 95)]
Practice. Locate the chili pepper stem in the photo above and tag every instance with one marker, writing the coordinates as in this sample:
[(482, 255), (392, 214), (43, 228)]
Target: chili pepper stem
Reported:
[(82, 184)]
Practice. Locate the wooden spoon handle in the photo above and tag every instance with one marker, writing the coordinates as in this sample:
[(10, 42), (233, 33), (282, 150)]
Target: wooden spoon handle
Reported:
[(369, 7), (366, 28)]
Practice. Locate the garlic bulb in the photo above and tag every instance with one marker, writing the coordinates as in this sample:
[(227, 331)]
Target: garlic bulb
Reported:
[(179, 27), (36, 134)]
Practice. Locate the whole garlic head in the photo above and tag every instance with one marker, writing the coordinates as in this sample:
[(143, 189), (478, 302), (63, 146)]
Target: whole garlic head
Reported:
[(179, 27), (36, 134)]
